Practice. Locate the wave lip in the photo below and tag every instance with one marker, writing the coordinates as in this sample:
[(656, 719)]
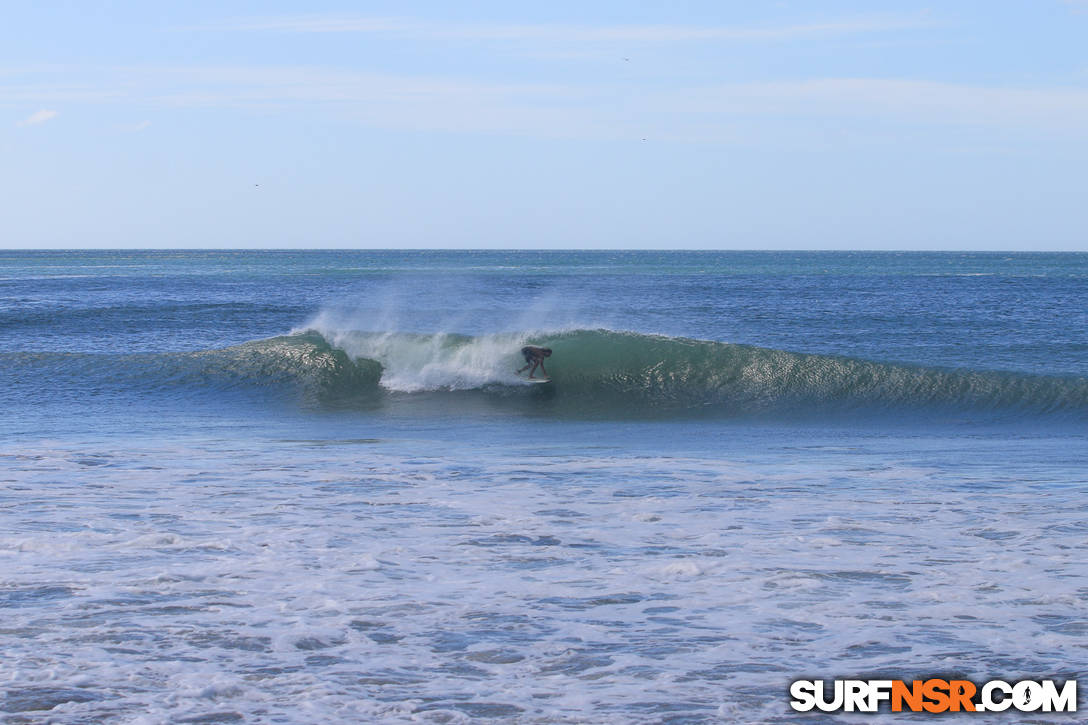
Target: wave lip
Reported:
[(414, 363)]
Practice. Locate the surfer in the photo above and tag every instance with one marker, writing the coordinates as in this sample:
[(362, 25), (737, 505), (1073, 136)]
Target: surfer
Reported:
[(534, 356)]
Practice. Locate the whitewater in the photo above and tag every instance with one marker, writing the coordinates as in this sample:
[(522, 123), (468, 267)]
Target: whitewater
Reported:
[(309, 486)]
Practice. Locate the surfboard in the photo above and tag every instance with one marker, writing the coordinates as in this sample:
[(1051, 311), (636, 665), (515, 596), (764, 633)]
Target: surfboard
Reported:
[(538, 380)]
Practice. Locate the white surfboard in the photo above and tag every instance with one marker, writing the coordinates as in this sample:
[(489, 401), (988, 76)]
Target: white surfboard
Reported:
[(538, 380)]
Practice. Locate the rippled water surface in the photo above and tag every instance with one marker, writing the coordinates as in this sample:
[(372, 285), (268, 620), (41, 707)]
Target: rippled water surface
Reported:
[(307, 487)]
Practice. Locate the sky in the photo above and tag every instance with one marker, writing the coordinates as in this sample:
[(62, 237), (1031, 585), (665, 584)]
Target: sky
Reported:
[(959, 125)]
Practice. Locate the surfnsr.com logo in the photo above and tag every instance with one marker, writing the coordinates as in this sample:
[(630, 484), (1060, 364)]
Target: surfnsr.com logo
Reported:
[(933, 695)]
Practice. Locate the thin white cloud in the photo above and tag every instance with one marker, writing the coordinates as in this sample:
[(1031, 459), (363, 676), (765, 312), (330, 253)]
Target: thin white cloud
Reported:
[(38, 117), (577, 33), (586, 109), (896, 99)]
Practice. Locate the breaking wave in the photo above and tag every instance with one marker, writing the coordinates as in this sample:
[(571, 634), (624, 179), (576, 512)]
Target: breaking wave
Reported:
[(593, 372)]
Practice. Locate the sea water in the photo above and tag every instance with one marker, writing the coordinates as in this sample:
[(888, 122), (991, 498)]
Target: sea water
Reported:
[(274, 486)]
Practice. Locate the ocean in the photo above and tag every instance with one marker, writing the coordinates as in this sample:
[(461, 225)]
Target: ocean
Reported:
[(308, 486)]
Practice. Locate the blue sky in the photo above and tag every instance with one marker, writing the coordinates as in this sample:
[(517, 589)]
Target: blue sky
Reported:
[(698, 125)]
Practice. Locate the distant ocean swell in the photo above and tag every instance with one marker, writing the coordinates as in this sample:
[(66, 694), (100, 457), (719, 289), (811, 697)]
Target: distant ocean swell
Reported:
[(593, 371)]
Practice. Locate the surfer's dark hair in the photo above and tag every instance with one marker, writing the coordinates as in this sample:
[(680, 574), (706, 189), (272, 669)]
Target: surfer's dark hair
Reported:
[(547, 351)]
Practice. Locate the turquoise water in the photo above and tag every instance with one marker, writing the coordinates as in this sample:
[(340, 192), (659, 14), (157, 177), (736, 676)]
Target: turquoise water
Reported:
[(308, 486)]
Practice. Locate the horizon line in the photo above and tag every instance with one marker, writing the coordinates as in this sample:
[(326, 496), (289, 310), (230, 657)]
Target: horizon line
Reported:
[(546, 249)]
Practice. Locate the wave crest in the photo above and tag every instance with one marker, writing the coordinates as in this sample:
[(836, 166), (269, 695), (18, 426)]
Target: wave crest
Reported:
[(593, 372), (627, 372)]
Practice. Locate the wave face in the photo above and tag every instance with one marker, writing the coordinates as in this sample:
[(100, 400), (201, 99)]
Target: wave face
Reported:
[(594, 372), (645, 373), (300, 363)]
